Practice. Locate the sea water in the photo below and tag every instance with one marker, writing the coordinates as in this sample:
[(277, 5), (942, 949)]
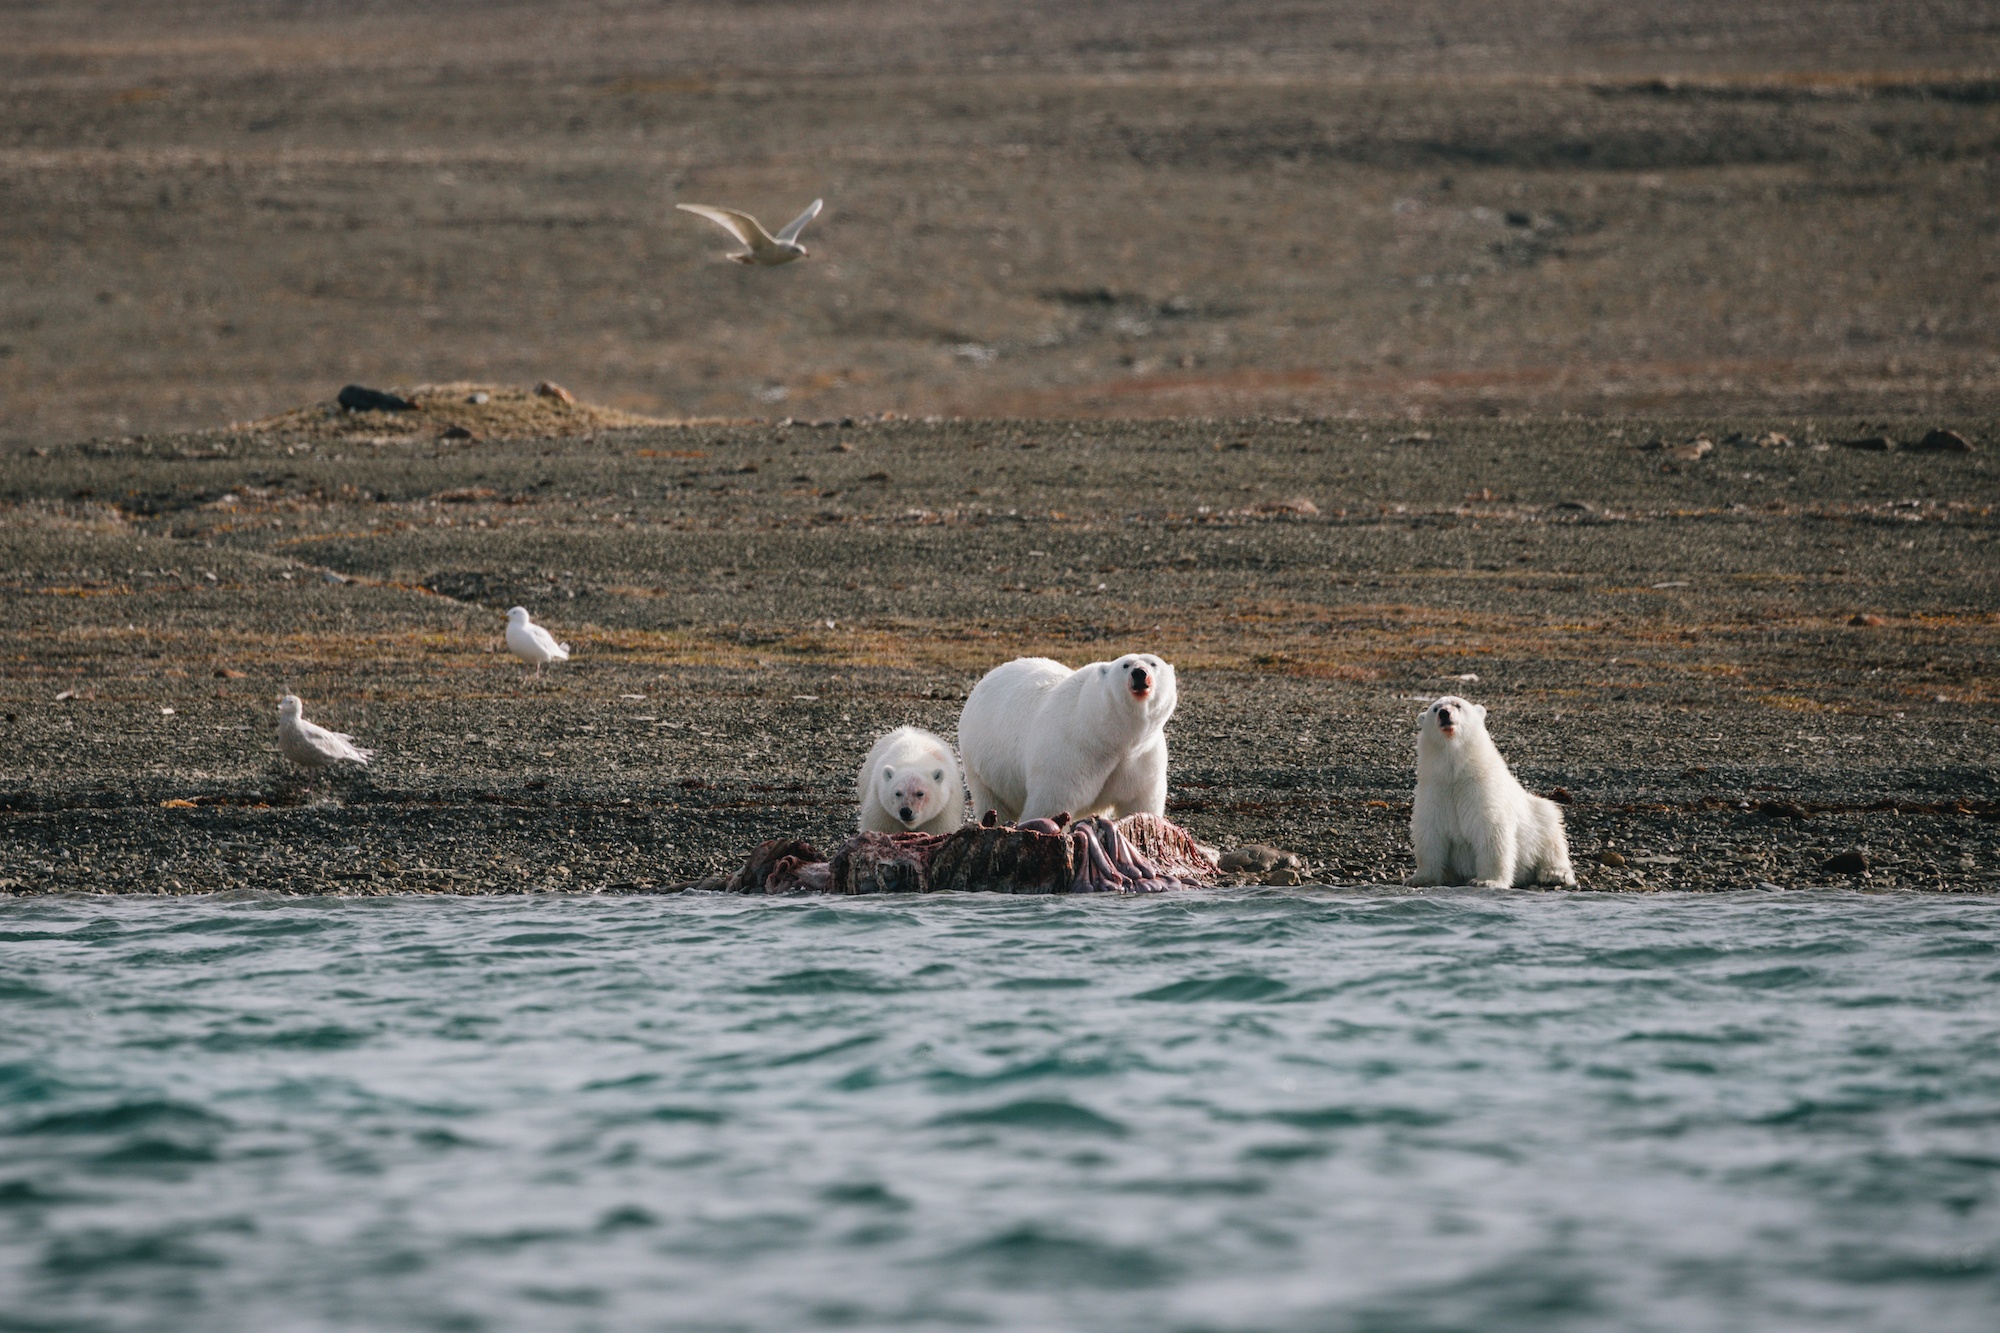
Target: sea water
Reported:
[(1298, 1109)]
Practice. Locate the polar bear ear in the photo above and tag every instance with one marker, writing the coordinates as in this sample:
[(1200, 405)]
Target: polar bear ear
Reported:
[(888, 772), (937, 775), (1480, 709), (1102, 669)]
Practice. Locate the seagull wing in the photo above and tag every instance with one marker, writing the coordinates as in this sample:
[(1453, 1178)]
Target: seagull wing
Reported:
[(547, 642), (740, 225), (348, 749), (798, 224), (332, 744)]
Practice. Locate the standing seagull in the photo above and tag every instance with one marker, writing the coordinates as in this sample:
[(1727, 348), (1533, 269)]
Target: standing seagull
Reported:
[(310, 746), (531, 643), (765, 249)]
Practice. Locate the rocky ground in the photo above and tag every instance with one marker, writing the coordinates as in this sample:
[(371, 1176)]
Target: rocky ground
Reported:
[(1736, 662), (215, 209)]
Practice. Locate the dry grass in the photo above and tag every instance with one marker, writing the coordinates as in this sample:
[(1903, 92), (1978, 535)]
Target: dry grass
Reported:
[(486, 411), (1770, 664)]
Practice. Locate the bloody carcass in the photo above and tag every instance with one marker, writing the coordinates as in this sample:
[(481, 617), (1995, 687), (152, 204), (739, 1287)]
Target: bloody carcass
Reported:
[(1136, 854)]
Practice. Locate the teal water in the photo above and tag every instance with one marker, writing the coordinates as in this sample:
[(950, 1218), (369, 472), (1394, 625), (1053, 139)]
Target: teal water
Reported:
[(1288, 1110)]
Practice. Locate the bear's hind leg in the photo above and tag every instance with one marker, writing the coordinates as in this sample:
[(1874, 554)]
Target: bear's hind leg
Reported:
[(1554, 867), (983, 800), (1551, 845)]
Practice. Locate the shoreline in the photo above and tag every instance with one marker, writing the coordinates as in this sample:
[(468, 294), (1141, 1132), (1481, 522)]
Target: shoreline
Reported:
[(1739, 665)]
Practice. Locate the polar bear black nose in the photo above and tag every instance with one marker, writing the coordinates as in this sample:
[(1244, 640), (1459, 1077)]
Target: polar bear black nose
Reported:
[(906, 814), (1444, 717), (1140, 680)]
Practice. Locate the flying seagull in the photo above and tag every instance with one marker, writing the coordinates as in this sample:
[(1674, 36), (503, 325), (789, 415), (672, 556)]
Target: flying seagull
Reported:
[(765, 249), (531, 643), (309, 745)]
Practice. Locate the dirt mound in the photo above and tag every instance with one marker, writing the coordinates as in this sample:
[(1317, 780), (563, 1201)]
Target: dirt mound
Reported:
[(465, 412)]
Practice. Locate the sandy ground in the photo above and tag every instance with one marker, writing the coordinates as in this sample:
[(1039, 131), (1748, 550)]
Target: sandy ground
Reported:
[(1737, 666), (212, 210)]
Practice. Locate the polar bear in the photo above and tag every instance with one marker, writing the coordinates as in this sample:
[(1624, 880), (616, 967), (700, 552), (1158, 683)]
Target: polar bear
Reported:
[(910, 783), (1040, 739), (1472, 822)]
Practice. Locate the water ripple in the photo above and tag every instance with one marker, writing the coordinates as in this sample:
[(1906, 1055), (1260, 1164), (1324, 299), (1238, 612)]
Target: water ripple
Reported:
[(1266, 1109)]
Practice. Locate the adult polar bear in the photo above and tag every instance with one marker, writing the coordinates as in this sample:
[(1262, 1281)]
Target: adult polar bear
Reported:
[(1039, 739), (1472, 821)]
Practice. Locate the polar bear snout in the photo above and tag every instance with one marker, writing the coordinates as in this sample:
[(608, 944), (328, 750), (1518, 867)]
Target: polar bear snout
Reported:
[(911, 800), (1446, 722), (1142, 682)]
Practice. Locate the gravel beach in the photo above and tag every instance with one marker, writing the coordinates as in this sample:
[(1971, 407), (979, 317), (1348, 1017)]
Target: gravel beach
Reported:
[(1737, 663)]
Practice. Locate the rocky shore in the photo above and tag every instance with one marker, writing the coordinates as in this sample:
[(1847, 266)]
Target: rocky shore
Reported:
[(1769, 661)]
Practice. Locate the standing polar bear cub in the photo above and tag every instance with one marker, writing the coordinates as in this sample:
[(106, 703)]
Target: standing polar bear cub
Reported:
[(1472, 822), (910, 783), (1040, 739)]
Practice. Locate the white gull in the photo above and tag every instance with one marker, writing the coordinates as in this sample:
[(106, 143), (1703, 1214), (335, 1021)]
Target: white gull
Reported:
[(531, 643), (765, 249), (309, 745)]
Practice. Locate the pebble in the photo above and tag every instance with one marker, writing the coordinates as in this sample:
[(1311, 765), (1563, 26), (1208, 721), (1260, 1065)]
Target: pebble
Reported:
[(1850, 862), (1283, 877), (550, 389), (1863, 618), (1612, 859)]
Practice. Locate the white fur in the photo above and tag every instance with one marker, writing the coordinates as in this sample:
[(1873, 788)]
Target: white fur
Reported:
[(1039, 739), (910, 769), (1472, 821)]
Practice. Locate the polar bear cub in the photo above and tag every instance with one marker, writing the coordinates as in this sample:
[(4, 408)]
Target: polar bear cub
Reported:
[(1040, 739), (910, 783), (1472, 821)]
